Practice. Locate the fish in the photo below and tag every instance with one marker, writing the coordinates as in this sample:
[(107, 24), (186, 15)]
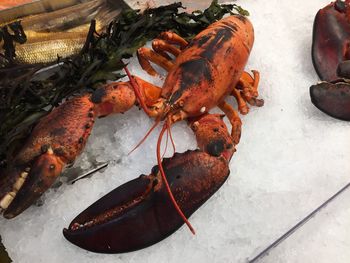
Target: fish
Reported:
[(70, 17), (47, 47), (61, 33)]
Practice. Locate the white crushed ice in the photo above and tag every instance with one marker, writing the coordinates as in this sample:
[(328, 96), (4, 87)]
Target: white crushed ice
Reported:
[(290, 159), (321, 240)]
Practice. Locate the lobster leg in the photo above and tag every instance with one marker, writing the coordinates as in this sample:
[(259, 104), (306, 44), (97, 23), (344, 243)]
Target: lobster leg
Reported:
[(159, 54), (161, 47), (174, 38), (140, 213), (149, 92), (146, 55), (249, 86), (242, 104), (247, 91), (157, 48), (234, 119)]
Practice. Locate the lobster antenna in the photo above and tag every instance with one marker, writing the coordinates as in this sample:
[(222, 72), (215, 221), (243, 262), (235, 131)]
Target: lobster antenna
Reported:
[(171, 139), (136, 88), (159, 160), (166, 143), (145, 137), (166, 127)]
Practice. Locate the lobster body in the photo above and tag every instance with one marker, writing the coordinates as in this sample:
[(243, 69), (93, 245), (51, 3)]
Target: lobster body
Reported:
[(150, 208), (203, 74), (210, 67)]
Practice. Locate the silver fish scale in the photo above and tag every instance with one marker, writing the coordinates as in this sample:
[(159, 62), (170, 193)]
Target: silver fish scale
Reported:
[(48, 51)]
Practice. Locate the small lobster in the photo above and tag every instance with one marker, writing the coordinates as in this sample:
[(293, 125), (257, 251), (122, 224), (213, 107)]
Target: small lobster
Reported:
[(151, 207)]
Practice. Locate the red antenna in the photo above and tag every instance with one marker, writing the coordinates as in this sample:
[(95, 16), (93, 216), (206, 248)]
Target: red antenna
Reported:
[(166, 127), (159, 160), (137, 91)]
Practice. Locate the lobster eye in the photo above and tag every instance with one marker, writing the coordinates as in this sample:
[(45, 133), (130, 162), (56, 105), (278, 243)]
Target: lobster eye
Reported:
[(194, 126), (340, 6), (52, 167)]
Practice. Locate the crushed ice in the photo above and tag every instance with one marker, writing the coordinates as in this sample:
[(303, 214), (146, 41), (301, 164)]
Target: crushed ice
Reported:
[(291, 157)]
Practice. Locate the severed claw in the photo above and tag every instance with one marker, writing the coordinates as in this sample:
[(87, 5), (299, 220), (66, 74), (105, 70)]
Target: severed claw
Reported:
[(139, 213), (332, 98), (331, 39)]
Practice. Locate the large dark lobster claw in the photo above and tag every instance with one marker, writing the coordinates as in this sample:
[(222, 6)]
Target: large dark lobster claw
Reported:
[(331, 59), (331, 39), (140, 213), (333, 98)]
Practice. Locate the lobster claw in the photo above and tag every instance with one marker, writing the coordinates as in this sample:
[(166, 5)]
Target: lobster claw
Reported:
[(43, 173), (139, 213), (333, 98), (331, 39)]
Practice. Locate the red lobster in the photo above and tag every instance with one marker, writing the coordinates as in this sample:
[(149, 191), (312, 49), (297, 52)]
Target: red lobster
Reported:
[(151, 207)]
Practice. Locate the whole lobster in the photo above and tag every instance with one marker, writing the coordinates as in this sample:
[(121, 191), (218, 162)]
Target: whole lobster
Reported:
[(151, 207)]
